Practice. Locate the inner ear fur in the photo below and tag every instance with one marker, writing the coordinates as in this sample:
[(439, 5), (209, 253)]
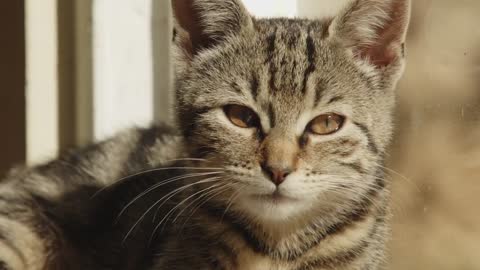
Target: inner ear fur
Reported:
[(374, 29)]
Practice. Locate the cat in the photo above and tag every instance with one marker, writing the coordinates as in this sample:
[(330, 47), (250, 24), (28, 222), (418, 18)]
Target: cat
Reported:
[(275, 160)]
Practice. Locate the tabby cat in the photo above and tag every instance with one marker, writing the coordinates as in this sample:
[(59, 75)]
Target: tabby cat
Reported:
[(275, 163)]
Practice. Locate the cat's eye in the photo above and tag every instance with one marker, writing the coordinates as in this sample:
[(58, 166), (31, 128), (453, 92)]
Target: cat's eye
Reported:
[(242, 116), (326, 124)]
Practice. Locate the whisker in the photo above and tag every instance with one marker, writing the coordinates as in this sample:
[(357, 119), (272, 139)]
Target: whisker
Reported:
[(178, 206), (156, 212), (361, 190), (162, 183), (222, 186), (231, 200), (126, 178), (186, 159), (203, 202), (334, 185), (158, 209), (328, 184), (342, 191), (164, 199), (408, 180), (357, 179)]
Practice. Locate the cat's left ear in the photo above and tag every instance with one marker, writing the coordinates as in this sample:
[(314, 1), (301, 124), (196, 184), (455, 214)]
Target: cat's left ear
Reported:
[(202, 24), (374, 29)]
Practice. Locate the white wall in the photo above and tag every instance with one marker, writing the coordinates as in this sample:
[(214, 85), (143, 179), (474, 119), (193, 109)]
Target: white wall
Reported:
[(272, 8), (122, 53), (295, 8), (320, 8), (131, 64)]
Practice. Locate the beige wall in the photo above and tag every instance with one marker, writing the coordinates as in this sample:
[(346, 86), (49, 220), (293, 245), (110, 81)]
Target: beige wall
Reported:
[(437, 146)]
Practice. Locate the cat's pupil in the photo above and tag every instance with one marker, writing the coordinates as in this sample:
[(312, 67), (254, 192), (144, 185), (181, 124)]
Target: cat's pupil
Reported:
[(248, 119)]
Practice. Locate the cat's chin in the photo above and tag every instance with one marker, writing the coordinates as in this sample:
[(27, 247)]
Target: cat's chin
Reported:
[(274, 207)]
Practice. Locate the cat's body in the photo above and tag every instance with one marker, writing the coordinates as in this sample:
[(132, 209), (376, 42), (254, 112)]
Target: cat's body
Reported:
[(88, 232), (275, 163)]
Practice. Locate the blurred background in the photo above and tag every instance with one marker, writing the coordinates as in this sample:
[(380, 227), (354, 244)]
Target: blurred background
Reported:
[(76, 71)]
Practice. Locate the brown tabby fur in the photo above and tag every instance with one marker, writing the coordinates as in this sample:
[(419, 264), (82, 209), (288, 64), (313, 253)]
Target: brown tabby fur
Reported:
[(196, 196)]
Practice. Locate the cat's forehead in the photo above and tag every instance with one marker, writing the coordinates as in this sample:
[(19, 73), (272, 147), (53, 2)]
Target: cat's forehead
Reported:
[(293, 60), (290, 27), (290, 33), (295, 51)]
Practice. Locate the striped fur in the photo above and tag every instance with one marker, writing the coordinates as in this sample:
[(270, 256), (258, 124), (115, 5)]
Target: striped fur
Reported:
[(195, 196)]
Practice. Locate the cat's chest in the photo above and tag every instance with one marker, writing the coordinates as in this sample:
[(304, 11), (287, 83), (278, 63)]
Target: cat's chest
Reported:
[(248, 260)]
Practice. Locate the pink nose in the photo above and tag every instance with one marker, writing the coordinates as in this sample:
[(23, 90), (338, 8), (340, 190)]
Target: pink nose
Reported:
[(276, 175)]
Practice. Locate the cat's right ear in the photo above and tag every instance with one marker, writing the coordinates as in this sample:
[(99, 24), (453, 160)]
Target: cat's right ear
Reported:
[(201, 24)]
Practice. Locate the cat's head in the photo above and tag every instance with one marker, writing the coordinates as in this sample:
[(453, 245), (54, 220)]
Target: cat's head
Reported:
[(298, 113)]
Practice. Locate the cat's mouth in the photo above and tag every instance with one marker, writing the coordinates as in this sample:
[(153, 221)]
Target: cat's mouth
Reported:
[(275, 205), (276, 197)]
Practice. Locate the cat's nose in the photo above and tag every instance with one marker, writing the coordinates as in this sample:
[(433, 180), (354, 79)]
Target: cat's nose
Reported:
[(279, 155), (277, 175)]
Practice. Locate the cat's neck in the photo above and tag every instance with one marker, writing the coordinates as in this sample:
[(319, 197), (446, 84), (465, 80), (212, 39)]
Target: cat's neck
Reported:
[(293, 239)]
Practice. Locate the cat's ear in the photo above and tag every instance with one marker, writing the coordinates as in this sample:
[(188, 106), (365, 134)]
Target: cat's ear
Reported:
[(201, 24), (374, 29)]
